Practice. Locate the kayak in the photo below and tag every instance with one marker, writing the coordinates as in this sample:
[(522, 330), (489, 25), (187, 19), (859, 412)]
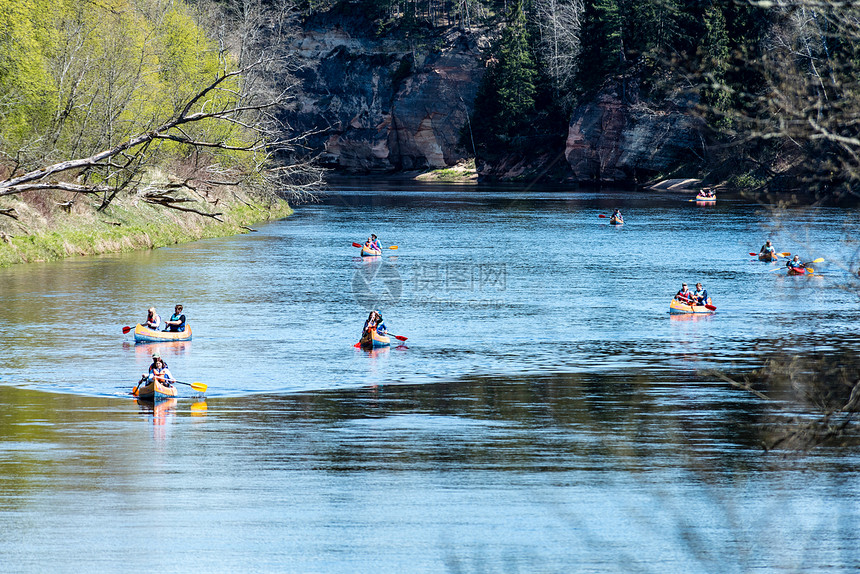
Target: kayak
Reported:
[(154, 391), (768, 256), (678, 308), (368, 252), (146, 335), (797, 270), (614, 221), (707, 198), (374, 341)]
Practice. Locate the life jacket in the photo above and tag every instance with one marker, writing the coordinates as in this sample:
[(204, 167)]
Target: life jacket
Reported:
[(684, 294), (159, 374), (175, 317)]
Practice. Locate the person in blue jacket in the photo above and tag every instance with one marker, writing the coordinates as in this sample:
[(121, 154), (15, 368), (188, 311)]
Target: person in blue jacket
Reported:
[(795, 262), (700, 295), (176, 322)]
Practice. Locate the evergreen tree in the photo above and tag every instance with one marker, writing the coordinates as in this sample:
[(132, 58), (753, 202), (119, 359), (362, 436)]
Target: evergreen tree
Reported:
[(506, 97), (610, 32), (715, 61)]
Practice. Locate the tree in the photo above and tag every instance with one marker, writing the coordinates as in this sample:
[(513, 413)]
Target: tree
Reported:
[(506, 97), (129, 86), (559, 27), (714, 54), (803, 115)]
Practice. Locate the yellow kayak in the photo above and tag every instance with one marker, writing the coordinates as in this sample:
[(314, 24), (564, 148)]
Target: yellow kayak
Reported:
[(154, 391), (678, 308)]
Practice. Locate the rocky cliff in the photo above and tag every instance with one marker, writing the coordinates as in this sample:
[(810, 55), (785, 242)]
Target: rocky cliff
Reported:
[(387, 104), (617, 137), (383, 105)]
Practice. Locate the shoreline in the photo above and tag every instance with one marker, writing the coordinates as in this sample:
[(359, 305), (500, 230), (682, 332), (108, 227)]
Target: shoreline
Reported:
[(43, 233)]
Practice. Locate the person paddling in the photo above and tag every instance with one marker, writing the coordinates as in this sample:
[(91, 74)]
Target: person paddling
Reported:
[(616, 216), (767, 249), (684, 295), (374, 322), (795, 263), (372, 243), (701, 295), (158, 371), (152, 319), (176, 323)]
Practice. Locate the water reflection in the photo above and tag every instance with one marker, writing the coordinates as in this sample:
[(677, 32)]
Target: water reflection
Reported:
[(167, 348)]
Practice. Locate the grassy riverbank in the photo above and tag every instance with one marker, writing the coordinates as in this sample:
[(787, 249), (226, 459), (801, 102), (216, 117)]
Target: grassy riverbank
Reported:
[(48, 228), (463, 172)]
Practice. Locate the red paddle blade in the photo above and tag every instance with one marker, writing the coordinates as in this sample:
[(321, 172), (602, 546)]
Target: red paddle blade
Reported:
[(125, 330), (399, 338), (753, 254), (710, 307), (601, 215), (354, 244), (357, 345)]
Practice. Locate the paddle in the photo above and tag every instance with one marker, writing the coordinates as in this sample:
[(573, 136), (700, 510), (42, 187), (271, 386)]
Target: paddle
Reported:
[(354, 244), (125, 330), (602, 216), (398, 337), (195, 385), (781, 254), (705, 305)]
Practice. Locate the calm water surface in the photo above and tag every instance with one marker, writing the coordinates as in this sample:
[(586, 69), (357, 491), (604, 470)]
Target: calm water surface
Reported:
[(545, 415)]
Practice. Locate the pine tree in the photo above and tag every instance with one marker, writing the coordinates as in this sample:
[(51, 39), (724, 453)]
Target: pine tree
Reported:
[(506, 97), (715, 61)]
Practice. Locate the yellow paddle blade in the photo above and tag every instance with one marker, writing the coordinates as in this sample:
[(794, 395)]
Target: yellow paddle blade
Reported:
[(392, 247), (199, 387), (784, 254), (819, 260)]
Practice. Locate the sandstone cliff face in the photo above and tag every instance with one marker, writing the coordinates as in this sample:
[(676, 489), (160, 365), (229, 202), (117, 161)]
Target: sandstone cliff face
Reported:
[(384, 105), (617, 138)]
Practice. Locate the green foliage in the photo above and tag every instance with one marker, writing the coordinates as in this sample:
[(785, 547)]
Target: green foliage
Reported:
[(506, 97), (25, 82), (78, 76), (715, 62)]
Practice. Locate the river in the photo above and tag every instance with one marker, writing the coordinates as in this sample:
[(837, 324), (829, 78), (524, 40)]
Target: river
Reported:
[(546, 413)]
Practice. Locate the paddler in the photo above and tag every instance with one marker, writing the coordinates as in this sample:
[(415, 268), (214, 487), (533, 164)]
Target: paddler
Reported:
[(684, 295), (152, 319), (700, 295), (176, 323), (616, 215), (372, 243), (768, 249), (374, 321), (795, 262), (158, 371)]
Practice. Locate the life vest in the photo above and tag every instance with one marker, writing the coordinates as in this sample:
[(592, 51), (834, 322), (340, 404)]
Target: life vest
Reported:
[(159, 374), (179, 327)]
